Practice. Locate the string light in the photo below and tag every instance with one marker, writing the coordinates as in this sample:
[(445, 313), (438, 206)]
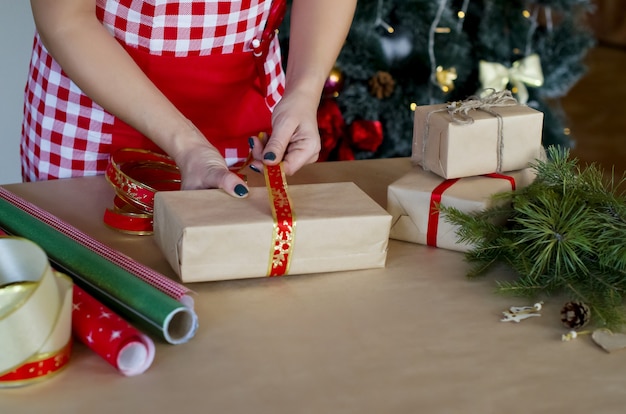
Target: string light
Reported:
[(431, 46), (379, 18), (461, 15), (531, 29)]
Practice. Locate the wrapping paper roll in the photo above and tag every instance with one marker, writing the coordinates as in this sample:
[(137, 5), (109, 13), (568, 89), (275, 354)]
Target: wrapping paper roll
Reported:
[(108, 335), (153, 278), (35, 314), (141, 304)]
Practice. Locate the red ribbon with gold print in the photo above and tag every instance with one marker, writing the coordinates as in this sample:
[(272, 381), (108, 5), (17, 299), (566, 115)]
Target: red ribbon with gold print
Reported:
[(435, 199), (284, 221)]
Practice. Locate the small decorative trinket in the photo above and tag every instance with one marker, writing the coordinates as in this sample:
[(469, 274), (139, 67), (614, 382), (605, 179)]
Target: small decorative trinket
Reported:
[(608, 340), (519, 313)]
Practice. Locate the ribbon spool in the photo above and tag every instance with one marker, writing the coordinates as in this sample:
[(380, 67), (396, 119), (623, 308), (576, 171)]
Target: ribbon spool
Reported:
[(35, 314), (136, 175)]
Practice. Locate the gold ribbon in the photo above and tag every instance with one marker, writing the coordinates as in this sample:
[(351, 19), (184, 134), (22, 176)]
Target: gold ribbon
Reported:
[(35, 314), (526, 71)]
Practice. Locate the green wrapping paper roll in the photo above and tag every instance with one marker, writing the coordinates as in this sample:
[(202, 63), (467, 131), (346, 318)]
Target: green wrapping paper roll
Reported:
[(139, 303)]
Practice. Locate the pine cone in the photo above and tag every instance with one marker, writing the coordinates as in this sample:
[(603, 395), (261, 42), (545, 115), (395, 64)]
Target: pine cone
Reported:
[(382, 85), (575, 315)]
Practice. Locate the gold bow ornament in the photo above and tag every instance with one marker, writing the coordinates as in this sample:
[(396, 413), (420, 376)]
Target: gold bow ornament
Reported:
[(35, 314), (526, 71)]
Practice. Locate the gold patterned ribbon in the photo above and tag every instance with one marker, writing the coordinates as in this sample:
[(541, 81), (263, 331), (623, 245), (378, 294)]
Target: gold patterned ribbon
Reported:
[(284, 221), (35, 314)]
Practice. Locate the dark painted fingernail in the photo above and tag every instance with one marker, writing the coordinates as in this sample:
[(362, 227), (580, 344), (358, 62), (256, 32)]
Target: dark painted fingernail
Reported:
[(254, 168), (251, 142), (270, 156), (241, 190)]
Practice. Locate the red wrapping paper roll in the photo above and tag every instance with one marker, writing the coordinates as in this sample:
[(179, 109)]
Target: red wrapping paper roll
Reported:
[(108, 335)]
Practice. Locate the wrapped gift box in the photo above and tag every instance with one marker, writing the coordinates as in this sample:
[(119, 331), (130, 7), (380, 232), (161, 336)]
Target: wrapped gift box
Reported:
[(412, 202), (208, 235), (454, 150)]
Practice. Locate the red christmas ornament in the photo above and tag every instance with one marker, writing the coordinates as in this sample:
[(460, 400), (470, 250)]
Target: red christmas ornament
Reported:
[(331, 126)]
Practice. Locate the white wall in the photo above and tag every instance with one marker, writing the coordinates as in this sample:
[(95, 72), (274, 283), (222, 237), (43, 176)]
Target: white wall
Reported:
[(16, 38)]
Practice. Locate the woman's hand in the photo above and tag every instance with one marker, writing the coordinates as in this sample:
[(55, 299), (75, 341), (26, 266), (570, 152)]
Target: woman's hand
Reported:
[(318, 30), (98, 64), (202, 166), (295, 138)]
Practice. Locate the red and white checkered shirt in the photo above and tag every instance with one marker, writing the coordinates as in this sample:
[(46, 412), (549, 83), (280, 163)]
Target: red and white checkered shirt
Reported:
[(62, 129)]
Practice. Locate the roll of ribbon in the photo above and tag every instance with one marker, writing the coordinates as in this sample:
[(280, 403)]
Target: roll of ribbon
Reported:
[(35, 314), (108, 335), (136, 175)]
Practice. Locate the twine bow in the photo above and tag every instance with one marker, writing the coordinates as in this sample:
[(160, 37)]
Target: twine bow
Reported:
[(459, 112), (526, 71)]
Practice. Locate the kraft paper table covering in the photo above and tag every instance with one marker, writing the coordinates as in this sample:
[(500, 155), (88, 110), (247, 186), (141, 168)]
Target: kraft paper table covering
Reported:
[(207, 235), (456, 150), (141, 304), (413, 337), (409, 202)]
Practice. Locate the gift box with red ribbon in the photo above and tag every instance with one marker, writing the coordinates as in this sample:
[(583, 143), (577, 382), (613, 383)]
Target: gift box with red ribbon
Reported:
[(414, 202), (476, 136), (208, 235)]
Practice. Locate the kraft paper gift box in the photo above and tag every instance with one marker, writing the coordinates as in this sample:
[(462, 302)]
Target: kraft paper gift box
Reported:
[(452, 149), (412, 201), (207, 235)]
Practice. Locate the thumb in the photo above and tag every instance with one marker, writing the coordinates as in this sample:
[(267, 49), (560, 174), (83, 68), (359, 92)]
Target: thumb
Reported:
[(234, 185), (276, 146)]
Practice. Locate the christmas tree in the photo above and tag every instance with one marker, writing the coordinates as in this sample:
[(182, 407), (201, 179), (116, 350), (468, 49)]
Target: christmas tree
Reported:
[(404, 53)]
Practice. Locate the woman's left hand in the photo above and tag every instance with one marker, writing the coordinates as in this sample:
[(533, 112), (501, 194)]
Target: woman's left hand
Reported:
[(295, 138)]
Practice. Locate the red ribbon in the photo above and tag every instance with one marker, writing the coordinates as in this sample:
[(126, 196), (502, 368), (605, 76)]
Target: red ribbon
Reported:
[(435, 200), (433, 216), (503, 177), (136, 175), (39, 368), (284, 221)]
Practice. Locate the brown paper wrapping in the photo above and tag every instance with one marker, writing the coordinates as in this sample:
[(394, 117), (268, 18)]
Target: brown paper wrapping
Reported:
[(456, 150), (408, 201), (207, 235)]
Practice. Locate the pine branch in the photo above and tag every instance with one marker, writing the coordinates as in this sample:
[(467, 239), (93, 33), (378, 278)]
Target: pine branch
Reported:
[(566, 232)]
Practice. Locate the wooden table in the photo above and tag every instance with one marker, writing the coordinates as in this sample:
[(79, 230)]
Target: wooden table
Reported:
[(414, 337)]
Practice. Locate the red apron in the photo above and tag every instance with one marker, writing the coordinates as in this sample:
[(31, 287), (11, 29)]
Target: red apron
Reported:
[(220, 94), (223, 95)]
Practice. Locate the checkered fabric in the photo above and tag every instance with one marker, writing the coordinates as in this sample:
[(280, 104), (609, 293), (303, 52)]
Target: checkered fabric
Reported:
[(62, 131)]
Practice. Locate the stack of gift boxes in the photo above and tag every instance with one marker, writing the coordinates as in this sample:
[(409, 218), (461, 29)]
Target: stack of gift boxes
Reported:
[(463, 154)]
